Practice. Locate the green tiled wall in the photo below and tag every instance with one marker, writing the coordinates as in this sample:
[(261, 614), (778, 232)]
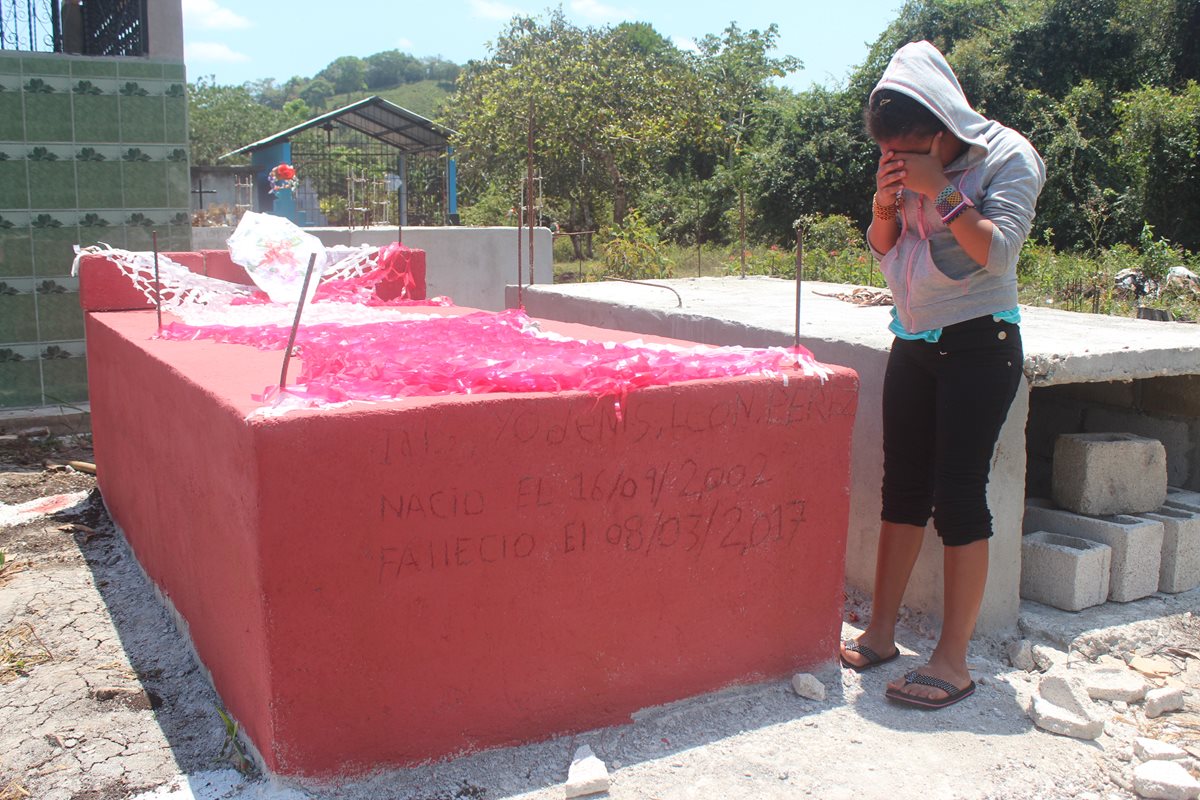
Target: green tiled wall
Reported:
[(91, 150)]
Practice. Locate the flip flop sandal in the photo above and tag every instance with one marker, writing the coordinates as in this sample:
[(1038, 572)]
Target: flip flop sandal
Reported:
[(953, 693), (873, 658)]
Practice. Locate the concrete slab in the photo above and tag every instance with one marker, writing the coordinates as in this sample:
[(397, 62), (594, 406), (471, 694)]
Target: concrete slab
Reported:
[(1090, 633), (1061, 348)]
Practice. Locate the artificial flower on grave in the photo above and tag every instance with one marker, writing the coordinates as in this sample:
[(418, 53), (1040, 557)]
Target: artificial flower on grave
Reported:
[(283, 177)]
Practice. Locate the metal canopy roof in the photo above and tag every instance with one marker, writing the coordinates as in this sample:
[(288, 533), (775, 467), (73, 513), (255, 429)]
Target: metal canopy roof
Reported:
[(377, 118)]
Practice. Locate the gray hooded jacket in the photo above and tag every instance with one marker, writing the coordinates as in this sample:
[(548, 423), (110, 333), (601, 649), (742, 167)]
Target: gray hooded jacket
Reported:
[(933, 281)]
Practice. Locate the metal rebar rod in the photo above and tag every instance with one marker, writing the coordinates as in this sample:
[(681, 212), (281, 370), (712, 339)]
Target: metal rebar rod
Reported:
[(678, 297), (157, 283), (287, 354), (520, 263), (529, 190), (742, 226), (799, 283)]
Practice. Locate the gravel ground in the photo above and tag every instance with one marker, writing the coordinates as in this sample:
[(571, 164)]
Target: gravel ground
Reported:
[(101, 699)]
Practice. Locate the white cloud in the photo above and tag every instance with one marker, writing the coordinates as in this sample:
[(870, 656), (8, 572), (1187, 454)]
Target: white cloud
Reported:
[(212, 51), (595, 11), (492, 9), (209, 15), (405, 43)]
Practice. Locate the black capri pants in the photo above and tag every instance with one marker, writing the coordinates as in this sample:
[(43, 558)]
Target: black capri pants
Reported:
[(944, 403)]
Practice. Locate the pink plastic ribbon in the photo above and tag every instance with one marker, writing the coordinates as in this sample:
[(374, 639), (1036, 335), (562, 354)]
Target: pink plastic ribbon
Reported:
[(477, 354)]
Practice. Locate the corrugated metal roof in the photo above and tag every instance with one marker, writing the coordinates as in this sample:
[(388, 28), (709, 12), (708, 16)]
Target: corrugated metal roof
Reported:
[(375, 117)]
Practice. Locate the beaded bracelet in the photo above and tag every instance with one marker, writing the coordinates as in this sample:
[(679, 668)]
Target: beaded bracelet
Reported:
[(885, 213), (951, 203)]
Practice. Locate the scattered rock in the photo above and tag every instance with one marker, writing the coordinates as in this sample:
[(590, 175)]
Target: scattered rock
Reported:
[(1165, 780), (807, 685), (1160, 701), (1061, 705), (1110, 684), (587, 775), (1020, 655), (1154, 750), (1046, 658)]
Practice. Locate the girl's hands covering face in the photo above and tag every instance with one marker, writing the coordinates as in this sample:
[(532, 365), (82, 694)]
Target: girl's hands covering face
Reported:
[(924, 168)]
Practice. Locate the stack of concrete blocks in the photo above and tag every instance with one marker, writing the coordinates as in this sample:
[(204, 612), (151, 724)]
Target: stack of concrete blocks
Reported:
[(1108, 533)]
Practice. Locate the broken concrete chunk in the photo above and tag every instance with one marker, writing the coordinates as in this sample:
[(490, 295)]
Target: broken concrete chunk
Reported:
[(1164, 780), (1108, 683), (808, 686), (1020, 655), (1061, 705), (1160, 701), (1046, 658), (1154, 750), (587, 775)]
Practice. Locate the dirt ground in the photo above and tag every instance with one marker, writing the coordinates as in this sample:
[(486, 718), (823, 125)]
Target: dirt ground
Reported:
[(101, 699)]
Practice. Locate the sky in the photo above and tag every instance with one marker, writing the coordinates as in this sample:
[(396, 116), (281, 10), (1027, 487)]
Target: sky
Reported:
[(237, 41)]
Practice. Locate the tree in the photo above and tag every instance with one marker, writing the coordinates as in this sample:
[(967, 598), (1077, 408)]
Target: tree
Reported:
[(347, 74), (224, 118), (317, 93), (267, 92), (737, 69), (608, 115), (1158, 144), (392, 67), (817, 160), (441, 70)]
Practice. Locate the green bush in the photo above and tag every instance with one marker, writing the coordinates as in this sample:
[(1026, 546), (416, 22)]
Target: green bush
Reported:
[(835, 250), (634, 251), (493, 207), (564, 251), (1158, 255)]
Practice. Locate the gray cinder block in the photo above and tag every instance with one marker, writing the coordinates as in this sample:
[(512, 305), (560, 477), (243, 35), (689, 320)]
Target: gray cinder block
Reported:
[(1175, 434), (1136, 544), (1064, 571), (1181, 498), (1109, 473), (1179, 570)]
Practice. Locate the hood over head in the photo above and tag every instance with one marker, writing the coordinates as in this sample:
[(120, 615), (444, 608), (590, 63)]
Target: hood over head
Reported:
[(920, 71)]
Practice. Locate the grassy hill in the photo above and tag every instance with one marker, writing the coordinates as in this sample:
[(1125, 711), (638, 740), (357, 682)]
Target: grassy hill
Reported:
[(422, 97)]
